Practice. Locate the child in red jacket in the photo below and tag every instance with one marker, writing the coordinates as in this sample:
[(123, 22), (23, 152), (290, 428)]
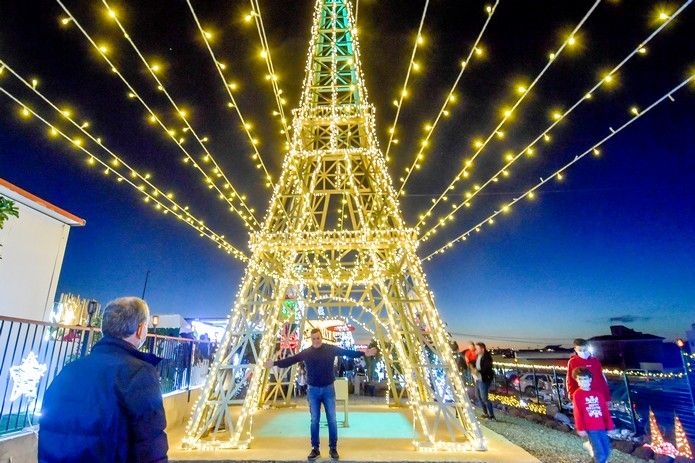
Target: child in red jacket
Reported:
[(591, 416), (583, 358)]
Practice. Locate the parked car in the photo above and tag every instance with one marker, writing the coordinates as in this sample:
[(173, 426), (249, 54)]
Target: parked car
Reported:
[(544, 382)]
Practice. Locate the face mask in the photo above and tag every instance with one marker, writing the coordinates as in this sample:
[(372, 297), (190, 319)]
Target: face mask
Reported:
[(584, 355)]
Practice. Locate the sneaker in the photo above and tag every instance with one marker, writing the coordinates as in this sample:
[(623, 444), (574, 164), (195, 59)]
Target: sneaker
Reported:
[(314, 454), (334, 454)]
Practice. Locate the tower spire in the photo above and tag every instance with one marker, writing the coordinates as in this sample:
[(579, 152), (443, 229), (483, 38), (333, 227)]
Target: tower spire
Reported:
[(333, 72)]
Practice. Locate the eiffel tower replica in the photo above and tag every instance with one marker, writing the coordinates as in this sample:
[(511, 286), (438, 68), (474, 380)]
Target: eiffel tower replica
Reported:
[(334, 245)]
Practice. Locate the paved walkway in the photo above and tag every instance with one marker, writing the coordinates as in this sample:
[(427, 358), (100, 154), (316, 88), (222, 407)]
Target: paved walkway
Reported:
[(376, 433)]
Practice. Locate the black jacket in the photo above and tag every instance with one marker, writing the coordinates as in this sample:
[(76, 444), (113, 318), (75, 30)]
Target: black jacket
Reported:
[(106, 408), (486, 372)]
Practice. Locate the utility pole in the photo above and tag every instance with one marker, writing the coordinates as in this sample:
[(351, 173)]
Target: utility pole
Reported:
[(144, 288)]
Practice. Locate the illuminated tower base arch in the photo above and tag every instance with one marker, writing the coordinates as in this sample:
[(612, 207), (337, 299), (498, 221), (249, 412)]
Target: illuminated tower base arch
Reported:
[(334, 235)]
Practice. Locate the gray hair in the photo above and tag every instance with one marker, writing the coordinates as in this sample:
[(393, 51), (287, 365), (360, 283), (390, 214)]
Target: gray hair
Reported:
[(123, 315)]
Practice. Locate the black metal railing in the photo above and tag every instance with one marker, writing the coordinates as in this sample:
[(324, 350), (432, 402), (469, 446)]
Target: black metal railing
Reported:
[(52, 346)]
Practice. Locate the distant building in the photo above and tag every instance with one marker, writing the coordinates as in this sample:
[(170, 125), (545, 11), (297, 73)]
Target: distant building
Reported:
[(33, 247), (548, 355), (690, 336), (630, 349)]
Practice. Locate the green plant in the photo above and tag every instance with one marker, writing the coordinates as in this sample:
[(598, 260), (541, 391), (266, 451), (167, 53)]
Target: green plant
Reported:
[(7, 209)]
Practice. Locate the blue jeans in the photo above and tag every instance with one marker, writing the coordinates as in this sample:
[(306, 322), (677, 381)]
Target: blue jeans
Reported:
[(481, 389), (600, 444), (325, 395)]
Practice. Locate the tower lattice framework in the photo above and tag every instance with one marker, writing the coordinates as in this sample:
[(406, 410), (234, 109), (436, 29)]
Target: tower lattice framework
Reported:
[(334, 239)]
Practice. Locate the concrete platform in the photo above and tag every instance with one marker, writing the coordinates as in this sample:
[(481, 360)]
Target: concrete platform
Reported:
[(376, 433)]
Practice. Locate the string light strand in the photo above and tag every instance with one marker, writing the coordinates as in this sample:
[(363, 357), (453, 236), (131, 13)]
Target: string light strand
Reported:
[(529, 149), (272, 76), (245, 125), (170, 132), (404, 89), (558, 174), (507, 114), (156, 197), (180, 112), (450, 97)]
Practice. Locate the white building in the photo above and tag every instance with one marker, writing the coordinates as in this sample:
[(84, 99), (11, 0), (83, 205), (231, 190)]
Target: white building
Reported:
[(32, 251)]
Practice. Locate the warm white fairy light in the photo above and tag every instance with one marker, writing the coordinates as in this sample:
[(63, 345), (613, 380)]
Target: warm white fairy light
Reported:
[(529, 149), (558, 174), (209, 180), (153, 69), (423, 218), (256, 156), (607, 371), (266, 56), (681, 437), (444, 111), (404, 89), (153, 194)]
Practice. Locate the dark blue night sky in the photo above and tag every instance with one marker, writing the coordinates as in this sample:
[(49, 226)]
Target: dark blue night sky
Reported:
[(612, 244)]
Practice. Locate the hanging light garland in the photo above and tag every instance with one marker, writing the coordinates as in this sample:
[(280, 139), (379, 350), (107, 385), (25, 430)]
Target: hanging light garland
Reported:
[(557, 175), (450, 98), (272, 76), (229, 86), (210, 180), (531, 148), (182, 114), (507, 114), (412, 65), (163, 203)]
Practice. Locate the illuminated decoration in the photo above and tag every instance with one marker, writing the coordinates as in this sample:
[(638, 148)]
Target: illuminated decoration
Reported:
[(682, 445), (182, 114), (607, 371), (655, 436), (558, 174), (334, 233), (214, 179), (289, 341), (245, 125), (530, 149), (508, 114), (26, 377), (272, 75), (70, 310), (341, 328), (404, 90), (450, 98), (123, 173), (288, 309), (662, 447), (513, 401)]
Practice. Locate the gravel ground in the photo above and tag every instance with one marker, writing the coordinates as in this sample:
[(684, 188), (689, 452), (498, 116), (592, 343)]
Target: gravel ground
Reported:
[(548, 445)]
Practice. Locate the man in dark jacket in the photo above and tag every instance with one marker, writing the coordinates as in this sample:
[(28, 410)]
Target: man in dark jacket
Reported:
[(107, 407), (319, 359), (483, 364)]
